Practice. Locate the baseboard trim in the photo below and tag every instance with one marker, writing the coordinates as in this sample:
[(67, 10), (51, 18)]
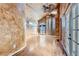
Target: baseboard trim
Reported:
[(62, 47), (11, 54)]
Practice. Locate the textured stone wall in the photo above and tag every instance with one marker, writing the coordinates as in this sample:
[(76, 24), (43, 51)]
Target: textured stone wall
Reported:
[(11, 29), (63, 8)]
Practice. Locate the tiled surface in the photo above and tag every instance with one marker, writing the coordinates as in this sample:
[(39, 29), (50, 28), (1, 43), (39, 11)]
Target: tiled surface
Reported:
[(41, 45)]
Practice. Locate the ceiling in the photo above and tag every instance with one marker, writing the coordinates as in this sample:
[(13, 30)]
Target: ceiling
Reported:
[(34, 11)]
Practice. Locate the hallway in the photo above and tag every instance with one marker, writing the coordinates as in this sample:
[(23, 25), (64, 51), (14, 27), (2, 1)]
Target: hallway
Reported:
[(39, 29), (40, 36), (42, 45)]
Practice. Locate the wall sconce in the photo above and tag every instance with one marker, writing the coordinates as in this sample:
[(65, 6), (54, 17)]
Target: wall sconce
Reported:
[(54, 12)]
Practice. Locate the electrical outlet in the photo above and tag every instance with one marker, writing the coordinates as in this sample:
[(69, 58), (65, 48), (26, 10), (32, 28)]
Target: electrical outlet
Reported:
[(14, 45)]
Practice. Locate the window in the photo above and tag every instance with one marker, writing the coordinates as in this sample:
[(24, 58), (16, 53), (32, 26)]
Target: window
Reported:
[(53, 24)]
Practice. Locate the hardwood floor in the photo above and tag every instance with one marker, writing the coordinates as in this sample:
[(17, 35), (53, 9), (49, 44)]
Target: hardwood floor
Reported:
[(41, 45)]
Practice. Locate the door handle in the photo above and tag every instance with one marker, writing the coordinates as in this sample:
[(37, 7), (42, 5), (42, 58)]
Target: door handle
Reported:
[(69, 38), (69, 34)]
